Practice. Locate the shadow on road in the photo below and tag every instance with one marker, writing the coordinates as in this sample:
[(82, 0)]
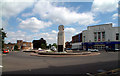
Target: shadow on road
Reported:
[(72, 69)]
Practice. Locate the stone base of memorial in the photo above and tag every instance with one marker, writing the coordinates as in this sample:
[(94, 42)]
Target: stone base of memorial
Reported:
[(62, 53)]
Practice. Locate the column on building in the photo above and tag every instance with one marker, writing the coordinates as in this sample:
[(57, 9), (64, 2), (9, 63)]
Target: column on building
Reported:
[(101, 36), (97, 36)]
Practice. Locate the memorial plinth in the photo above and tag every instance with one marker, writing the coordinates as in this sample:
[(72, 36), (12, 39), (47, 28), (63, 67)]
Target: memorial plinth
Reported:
[(61, 39)]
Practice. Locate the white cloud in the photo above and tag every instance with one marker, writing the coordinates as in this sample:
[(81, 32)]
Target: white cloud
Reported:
[(14, 7), (33, 24), (114, 16), (10, 8), (50, 37), (104, 6), (68, 33), (14, 36), (62, 15), (70, 30), (53, 31)]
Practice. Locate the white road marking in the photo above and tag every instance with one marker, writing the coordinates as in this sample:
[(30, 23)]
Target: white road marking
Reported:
[(1, 66)]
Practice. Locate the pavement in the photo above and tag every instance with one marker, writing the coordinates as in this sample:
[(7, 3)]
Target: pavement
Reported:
[(65, 55), (23, 63)]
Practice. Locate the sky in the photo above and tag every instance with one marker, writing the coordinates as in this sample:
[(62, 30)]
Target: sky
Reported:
[(30, 20)]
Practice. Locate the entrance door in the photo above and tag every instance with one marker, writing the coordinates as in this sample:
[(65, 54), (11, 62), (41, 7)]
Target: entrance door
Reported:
[(60, 48)]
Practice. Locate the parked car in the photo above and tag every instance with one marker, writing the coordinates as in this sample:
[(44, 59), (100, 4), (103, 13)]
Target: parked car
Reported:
[(68, 48), (117, 49), (109, 49), (39, 49), (93, 50), (53, 48), (5, 51)]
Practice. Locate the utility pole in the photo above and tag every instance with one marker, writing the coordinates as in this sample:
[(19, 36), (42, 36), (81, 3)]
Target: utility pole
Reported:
[(0, 39)]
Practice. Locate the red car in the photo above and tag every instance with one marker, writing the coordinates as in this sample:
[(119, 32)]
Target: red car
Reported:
[(6, 51)]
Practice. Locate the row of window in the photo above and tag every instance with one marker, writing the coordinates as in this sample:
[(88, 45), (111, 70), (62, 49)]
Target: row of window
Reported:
[(97, 36), (99, 47), (100, 36)]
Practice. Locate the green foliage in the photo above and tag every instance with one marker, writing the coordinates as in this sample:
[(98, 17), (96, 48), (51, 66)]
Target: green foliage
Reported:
[(9, 43), (3, 37), (54, 44), (15, 47), (43, 46), (50, 45)]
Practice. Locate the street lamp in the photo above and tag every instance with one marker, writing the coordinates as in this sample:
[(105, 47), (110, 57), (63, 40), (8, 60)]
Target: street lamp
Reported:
[(1, 39)]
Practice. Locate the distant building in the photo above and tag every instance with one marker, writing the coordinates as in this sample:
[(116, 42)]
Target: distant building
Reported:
[(27, 46), (77, 38), (37, 43), (9, 46), (19, 44), (68, 45), (24, 45), (77, 42), (99, 37)]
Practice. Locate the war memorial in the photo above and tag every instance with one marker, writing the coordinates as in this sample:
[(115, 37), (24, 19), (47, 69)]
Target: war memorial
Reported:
[(61, 47)]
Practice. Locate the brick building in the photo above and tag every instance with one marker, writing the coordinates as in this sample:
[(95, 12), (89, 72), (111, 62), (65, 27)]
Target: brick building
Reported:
[(9, 46), (19, 44), (68, 45), (22, 45)]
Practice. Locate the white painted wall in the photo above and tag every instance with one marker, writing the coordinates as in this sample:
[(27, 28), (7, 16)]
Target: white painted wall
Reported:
[(110, 32)]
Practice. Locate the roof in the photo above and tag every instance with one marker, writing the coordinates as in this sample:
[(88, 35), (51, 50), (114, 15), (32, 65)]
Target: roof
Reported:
[(101, 25), (27, 42), (77, 34)]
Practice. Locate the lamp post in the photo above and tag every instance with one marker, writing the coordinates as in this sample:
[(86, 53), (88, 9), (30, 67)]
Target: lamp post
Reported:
[(1, 39), (1, 48)]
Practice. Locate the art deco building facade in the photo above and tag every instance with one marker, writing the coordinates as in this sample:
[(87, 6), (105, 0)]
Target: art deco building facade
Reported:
[(100, 37)]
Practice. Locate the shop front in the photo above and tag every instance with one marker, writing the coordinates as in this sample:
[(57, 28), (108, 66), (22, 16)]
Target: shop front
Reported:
[(101, 45)]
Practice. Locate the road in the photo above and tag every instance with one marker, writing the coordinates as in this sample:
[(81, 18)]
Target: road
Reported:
[(23, 63)]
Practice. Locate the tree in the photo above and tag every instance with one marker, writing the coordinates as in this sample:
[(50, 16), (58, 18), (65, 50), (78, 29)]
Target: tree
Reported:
[(15, 47), (43, 46), (9, 43), (54, 44), (50, 46), (3, 37)]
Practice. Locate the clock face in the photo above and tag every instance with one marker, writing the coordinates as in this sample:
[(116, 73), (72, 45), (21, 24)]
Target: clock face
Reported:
[(61, 27)]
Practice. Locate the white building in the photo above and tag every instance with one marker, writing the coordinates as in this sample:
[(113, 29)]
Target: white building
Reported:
[(101, 37)]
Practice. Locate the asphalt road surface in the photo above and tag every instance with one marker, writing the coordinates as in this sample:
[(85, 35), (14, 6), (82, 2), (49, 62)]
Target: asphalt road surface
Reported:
[(23, 63)]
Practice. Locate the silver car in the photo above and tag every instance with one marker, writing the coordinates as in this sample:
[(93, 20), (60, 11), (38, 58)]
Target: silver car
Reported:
[(93, 50)]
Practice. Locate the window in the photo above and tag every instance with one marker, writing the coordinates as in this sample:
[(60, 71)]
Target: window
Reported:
[(117, 36), (95, 36), (103, 36), (99, 37)]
